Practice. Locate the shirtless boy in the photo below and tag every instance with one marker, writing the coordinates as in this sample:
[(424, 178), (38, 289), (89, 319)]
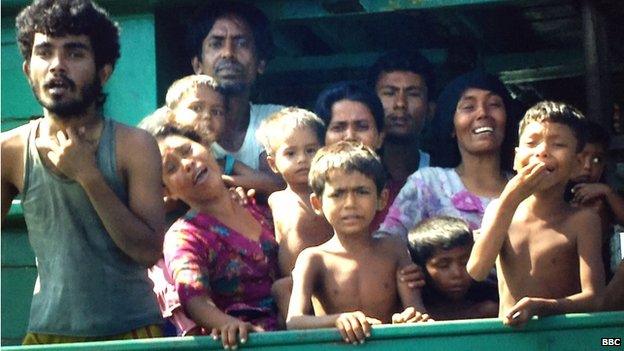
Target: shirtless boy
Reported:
[(547, 252), (442, 245), (291, 138), (353, 275)]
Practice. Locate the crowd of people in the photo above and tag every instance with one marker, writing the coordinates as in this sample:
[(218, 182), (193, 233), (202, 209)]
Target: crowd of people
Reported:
[(380, 206)]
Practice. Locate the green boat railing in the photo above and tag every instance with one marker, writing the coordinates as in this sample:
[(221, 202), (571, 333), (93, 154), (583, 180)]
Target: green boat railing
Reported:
[(566, 332)]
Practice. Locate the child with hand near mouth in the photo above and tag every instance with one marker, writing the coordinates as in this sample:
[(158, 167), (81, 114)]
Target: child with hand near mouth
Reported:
[(547, 252)]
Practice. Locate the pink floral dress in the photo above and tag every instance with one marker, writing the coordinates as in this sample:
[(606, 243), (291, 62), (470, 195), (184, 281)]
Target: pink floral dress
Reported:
[(203, 256), (431, 192)]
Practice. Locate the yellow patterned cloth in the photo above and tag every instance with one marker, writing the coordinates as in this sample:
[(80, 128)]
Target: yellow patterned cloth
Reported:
[(150, 331)]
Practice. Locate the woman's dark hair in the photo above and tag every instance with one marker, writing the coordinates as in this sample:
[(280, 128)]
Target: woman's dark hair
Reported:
[(352, 91), (205, 17), (408, 61), (169, 129), (58, 18), (440, 140)]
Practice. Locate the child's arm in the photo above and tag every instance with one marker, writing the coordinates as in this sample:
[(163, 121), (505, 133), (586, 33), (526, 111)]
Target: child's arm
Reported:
[(614, 293), (591, 274), (411, 299), (205, 313), (497, 219), (587, 192), (354, 327), (264, 182)]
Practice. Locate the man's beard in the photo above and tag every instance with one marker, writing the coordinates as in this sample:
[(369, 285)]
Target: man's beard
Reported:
[(230, 86), (75, 107)]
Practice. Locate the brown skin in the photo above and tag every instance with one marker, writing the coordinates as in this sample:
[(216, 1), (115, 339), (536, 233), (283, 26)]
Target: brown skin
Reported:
[(231, 40), (352, 271), (613, 299), (547, 253), (182, 160), (450, 281), (590, 192), (297, 226), (404, 97), (67, 147), (463, 309)]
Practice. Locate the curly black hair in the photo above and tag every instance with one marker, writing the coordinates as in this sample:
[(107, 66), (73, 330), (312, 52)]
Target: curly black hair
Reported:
[(69, 17)]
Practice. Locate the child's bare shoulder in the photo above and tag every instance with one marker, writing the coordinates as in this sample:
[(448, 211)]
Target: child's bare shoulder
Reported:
[(582, 220), (279, 199), (390, 245), (311, 257)]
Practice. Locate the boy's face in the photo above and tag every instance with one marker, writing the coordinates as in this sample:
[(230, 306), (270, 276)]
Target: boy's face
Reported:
[(349, 202), (190, 172), (593, 164), (294, 154), (447, 269), (202, 109), (479, 121), (353, 121), (553, 144)]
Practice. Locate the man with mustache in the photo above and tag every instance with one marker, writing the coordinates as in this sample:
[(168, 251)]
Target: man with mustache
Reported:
[(232, 42), (403, 82), (93, 210)]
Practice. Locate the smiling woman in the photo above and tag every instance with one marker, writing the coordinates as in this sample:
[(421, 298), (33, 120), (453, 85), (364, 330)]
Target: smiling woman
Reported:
[(472, 130)]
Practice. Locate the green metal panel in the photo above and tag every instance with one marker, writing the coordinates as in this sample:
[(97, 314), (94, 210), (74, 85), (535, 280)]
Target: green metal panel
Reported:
[(17, 290), (132, 88), (568, 332), (17, 101), (18, 277)]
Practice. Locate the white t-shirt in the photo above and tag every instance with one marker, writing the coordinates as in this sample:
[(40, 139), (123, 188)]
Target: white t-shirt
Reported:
[(251, 149)]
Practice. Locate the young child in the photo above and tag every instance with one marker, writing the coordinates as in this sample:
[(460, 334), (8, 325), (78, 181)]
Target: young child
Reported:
[(547, 252), (353, 276), (196, 103), (291, 138), (590, 190), (442, 246)]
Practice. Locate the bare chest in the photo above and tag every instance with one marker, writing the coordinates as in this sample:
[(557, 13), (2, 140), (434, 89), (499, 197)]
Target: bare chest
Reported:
[(368, 285), (539, 261)]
